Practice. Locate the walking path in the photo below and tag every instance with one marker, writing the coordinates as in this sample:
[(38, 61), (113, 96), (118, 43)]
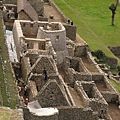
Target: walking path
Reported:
[(114, 112)]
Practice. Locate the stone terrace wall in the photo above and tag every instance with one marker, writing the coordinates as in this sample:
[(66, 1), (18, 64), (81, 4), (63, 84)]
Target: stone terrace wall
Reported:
[(115, 50), (112, 62), (76, 113)]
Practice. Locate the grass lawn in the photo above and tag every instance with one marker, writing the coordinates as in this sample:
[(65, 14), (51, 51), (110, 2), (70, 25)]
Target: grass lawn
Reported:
[(93, 21), (9, 114), (10, 80), (116, 85)]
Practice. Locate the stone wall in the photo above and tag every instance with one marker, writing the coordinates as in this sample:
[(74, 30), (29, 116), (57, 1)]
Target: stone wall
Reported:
[(32, 91), (23, 16), (10, 2), (17, 35), (92, 62), (92, 97), (97, 77), (80, 50), (30, 116), (70, 31), (112, 62), (76, 113), (70, 50), (39, 80), (110, 97), (115, 50), (25, 68), (82, 76), (58, 37), (44, 62), (29, 28), (65, 113), (38, 5), (51, 95)]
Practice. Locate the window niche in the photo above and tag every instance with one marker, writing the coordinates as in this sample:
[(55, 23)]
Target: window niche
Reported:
[(57, 38)]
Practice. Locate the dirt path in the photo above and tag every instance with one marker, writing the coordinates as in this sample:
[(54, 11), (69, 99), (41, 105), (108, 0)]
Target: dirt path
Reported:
[(77, 99), (114, 112), (50, 10), (101, 86), (63, 74), (88, 65)]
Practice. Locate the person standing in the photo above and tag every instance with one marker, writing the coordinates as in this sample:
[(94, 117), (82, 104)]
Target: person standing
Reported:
[(45, 74)]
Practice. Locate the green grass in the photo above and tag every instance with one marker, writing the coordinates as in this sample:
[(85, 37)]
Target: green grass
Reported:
[(9, 75), (116, 85), (93, 21), (9, 114)]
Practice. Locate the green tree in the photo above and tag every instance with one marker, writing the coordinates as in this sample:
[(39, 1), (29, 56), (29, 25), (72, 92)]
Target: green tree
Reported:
[(113, 9)]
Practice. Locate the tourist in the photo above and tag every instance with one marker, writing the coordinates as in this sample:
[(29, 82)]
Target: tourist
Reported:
[(26, 101), (45, 74)]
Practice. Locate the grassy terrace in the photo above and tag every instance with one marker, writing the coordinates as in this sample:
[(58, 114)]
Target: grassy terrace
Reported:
[(116, 85), (93, 21), (9, 76)]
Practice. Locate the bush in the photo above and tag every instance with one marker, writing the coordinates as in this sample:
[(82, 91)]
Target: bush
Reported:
[(118, 68), (99, 54)]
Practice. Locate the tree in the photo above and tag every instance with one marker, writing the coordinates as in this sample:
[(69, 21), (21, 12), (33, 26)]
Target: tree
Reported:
[(113, 9)]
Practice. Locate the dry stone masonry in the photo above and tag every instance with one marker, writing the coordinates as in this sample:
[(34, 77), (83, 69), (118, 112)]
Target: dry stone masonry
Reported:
[(58, 73)]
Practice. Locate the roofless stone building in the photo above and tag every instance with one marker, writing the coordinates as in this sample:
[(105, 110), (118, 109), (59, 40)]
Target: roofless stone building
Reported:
[(76, 88)]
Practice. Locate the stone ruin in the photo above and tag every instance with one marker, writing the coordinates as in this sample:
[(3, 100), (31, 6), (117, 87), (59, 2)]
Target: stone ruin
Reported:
[(73, 88), (76, 87)]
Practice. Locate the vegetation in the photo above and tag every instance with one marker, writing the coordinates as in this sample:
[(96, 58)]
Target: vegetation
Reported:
[(9, 114), (99, 54), (113, 9), (93, 21), (116, 85), (11, 87)]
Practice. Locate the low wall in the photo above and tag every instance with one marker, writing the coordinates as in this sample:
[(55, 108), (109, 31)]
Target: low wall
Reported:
[(97, 77), (31, 116), (76, 113), (10, 2), (82, 77), (115, 50), (110, 97), (65, 113), (112, 62)]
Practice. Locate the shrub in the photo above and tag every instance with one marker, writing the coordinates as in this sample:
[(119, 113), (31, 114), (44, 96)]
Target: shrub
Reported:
[(99, 54)]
